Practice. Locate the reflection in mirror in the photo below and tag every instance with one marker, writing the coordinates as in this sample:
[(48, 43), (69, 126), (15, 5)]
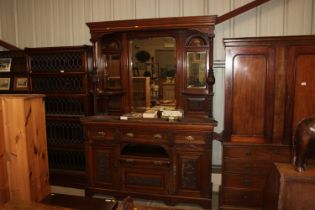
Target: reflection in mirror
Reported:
[(112, 64), (153, 72), (196, 74)]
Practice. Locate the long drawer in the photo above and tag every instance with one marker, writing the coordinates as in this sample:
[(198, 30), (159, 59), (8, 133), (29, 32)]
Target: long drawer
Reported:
[(241, 198), (274, 153), (245, 171), (244, 181), (239, 166)]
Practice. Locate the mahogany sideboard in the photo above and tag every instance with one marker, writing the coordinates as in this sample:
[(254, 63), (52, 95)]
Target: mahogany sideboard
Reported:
[(150, 158)]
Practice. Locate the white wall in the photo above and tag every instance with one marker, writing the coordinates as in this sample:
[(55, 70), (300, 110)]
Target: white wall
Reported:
[(44, 23)]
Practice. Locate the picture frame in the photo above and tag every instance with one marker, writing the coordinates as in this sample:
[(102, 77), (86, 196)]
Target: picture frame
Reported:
[(20, 83), (5, 64), (5, 83)]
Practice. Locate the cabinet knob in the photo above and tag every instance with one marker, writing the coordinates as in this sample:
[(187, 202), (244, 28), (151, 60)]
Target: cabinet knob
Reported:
[(157, 136), (189, 138), (130, 135), (101, 133)]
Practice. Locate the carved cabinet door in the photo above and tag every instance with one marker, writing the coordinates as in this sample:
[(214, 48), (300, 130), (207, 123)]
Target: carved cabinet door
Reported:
[(103, 166), (191, 172)]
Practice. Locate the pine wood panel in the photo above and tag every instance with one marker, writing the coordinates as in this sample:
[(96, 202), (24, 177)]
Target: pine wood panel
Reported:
[(25, 140), (4, 182)]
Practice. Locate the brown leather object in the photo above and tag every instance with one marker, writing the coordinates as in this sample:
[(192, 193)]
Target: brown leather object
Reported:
[(287, 189), (304, 134)]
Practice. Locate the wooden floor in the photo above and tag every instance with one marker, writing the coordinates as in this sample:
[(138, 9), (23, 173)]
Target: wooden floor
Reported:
[(151, 203)]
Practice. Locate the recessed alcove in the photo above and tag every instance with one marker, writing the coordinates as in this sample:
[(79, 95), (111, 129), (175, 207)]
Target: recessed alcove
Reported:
[(144, 150)]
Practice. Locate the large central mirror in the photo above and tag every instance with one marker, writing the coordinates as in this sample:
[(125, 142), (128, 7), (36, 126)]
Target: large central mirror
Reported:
[(153, 66)]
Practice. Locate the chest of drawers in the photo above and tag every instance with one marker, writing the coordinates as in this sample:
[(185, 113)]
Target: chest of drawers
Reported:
[(245, 171)]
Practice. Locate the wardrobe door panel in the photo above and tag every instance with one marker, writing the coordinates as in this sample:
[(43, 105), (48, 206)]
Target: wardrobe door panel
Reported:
[(301, 83), (250, 79), (248, 114)]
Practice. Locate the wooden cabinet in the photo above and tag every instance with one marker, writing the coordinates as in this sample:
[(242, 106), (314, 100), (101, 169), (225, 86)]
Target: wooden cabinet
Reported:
[(143, 64), (268, 84), (24, 160), (62, 74), (183, 78), (153, 159), (289, 189)]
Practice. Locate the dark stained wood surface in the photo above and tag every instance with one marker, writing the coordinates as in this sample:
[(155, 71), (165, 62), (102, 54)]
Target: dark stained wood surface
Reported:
[(80, 203), (150, 158), (269, 89), (24, 205)]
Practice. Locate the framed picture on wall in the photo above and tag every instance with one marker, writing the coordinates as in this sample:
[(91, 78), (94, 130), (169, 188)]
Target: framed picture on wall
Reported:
[(20, 83), (5, 64), (5, 83)]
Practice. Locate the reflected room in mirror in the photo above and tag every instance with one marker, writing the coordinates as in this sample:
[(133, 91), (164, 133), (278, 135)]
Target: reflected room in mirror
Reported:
[(196, 74), (153, 65)]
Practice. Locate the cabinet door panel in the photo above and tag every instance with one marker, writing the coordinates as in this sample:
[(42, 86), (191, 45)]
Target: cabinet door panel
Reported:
[(103, 167), (249, 96), (301, 69), (192, 173)]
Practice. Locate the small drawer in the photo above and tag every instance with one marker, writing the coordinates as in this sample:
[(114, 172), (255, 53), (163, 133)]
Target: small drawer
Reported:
[(101, 133), (146, 181), (192, 138), (241, 198), (144, 136), (257, 152), (246, 167), (244, 181)]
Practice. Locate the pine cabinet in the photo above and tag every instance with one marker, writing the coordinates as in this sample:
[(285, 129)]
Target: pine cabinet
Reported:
[(24, 154)]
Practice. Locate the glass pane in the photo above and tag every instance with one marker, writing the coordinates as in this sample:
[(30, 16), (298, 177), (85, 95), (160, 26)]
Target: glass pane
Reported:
[(113, 71), (196, 74), (153, 70)]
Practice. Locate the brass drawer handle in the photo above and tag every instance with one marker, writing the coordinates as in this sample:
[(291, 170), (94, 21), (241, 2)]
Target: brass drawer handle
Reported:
[(189, 138), (157, 136), (101, 133), (130, 135), (157, 163)]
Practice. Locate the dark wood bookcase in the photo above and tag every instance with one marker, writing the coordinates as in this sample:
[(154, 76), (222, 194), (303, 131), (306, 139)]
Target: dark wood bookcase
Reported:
[(62, 74)]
